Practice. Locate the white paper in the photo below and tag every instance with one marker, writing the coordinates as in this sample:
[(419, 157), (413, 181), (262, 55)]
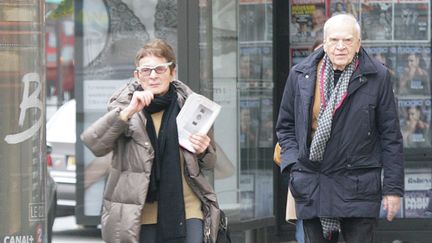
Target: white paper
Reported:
[(196, 116)]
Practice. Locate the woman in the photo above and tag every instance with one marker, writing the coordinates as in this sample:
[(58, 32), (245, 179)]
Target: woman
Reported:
[(156, 191)]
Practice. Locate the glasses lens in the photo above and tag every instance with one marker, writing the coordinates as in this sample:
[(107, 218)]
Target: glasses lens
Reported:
[(145, 71), (160, 69)]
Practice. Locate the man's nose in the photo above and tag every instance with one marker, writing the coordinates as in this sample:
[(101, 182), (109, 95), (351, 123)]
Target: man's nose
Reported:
[(340, 44)]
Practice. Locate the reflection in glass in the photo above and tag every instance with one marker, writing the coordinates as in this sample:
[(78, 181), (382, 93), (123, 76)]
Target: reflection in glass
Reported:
[(242, 83), (114, 30)]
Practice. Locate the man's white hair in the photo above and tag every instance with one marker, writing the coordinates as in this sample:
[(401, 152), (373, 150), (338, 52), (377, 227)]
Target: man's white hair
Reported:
[(342, 18)]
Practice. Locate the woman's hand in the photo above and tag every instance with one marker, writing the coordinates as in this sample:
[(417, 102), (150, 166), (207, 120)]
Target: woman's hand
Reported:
[(200, 142), (140, 99)]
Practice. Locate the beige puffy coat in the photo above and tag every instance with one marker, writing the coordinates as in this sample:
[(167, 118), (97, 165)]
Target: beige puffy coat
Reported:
[(127, 185)]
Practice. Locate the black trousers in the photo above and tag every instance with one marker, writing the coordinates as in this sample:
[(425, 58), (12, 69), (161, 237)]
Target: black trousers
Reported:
[(353, 230)]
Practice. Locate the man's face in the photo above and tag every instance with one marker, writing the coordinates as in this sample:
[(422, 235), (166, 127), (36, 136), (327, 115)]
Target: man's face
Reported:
[(413, 61), (414, 114), (157, 80), (341, 44), (319, 18)]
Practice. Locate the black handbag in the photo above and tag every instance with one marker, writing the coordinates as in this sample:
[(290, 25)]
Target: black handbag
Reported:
[(223, 235)]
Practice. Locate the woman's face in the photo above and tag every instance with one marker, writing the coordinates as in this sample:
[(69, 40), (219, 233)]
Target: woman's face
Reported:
[(160, 76)]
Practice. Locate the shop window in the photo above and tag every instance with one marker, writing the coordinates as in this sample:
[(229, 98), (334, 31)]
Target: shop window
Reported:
[(242, 79)]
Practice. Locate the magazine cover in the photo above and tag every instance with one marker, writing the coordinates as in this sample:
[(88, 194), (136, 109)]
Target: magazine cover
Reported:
[(307, 20), (383, 213), (412, 20), (298, 54), (418, 192), (377, 16), (249, 122), (255, 63), (254, 20), (417, 204), (386, 55), (196, 116), (345, 7), (415, 122), (413, 70), (266, 123)]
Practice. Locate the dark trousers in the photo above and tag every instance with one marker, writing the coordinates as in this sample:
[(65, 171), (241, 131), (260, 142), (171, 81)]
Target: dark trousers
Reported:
[(194, 232), (353, 230)]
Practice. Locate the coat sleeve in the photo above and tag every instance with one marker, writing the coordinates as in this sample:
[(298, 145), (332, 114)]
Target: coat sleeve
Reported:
[(391, 140), (101, 136), (285, 126)]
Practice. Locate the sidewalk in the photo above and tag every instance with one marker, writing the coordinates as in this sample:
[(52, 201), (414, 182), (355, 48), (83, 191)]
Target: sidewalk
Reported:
[(65, 230)]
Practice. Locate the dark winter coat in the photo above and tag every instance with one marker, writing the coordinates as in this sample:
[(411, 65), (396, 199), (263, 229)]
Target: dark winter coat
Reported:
[(365, 139)]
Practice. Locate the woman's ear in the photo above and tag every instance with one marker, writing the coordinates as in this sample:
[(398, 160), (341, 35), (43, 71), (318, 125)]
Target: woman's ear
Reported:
[(174, 73)]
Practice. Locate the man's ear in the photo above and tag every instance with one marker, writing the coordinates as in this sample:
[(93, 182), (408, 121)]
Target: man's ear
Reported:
[(136, 74)]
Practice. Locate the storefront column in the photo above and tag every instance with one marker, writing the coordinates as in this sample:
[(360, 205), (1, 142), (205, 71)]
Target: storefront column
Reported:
[(22, 112)]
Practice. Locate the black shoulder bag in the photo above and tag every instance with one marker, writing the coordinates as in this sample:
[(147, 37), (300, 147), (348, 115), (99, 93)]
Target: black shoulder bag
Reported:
[(223, 233)]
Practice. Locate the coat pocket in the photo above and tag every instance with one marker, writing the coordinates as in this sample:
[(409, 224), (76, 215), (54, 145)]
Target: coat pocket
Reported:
[(361, 184), (131, 188), (302, 184)]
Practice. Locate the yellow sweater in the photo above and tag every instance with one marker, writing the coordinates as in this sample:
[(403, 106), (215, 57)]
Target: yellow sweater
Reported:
[(191, 201), (316, 102)]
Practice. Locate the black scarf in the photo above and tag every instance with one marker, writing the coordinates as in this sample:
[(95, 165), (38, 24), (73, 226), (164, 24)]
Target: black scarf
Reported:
[(165, 179)]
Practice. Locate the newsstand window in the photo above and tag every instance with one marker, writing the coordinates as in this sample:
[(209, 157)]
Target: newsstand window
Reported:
[(238, 46)]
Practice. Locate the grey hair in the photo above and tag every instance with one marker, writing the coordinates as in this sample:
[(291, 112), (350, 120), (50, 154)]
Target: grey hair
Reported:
[(342, 18)]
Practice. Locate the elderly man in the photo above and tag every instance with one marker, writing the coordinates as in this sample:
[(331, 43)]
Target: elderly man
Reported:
[(338, 128)]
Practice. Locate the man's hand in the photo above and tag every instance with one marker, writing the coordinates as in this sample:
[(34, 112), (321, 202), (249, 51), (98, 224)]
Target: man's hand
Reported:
[(140, 99), (392, 205), (200, 142)]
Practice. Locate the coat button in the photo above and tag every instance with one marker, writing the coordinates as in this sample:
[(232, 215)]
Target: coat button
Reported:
[(307, 76), (349, 165), (146, 143)]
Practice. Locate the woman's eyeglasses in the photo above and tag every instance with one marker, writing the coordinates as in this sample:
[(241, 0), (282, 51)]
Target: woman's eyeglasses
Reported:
[(159, 69)]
